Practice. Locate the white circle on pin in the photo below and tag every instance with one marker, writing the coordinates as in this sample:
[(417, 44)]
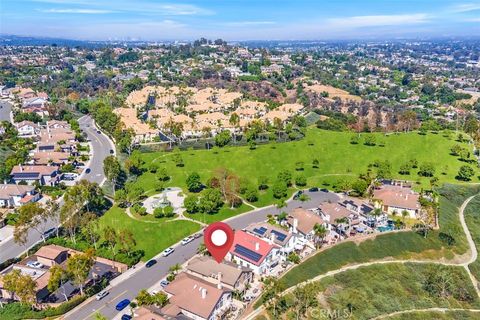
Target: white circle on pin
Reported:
[(219, 238)]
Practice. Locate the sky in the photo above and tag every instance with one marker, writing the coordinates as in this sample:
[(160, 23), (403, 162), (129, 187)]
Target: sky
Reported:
[(240, 19)]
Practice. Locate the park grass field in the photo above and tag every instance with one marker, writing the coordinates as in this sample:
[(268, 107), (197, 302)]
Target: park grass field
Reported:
[(382, 289), (449, 315), (338, 159), (152, 238)]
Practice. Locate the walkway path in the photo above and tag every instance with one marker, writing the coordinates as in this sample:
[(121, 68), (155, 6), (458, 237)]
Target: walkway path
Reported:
[(472, 258)]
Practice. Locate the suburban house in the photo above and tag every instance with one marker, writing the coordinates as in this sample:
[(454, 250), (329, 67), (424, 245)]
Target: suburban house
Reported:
[(57, 139), (395, 197), (57, 158), (27, 129), (302, 223), (13, 195), (283, 238), (254, 253), (196, 298), (228, 274), (44, 175), (37, 102), (339, 216), (47, 257), (149, 313)]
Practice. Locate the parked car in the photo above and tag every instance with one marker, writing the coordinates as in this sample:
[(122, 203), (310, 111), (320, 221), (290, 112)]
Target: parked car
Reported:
[(126, 317), (99, 132), (186, 241), (164, 283), (87, 171), (111, 151), (101, 295), (34, 264), (151, 263), (49, 233), (313, 189), (167, 252), (324, 190), (197, 235), (122, 304), (297, 195)]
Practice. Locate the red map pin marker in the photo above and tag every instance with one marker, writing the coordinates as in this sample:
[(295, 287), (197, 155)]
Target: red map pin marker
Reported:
[(218, 239)]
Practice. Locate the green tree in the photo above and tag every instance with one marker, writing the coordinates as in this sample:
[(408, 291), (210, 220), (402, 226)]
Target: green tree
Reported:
[(193, 182), (279, 189), (112, 170), (79, 266), (211, 201), (465, 173), (427, 170), (300, 180), (191, 203), (251, 194), (58, 278), (223, 138)]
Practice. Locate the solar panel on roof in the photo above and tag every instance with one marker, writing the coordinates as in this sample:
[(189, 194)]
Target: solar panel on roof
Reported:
[(260, 230), (280, 236), (247, 253)]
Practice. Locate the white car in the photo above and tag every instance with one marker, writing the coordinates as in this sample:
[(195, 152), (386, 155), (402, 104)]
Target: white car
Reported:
[(187, 240), (34, 264), (167, 252), (101, 295)]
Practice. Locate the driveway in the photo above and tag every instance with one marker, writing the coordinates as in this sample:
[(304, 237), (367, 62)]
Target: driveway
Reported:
[(144, 278)]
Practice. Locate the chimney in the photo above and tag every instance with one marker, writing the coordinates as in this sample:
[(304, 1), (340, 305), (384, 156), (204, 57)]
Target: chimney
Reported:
[(295, 225), (204, 293), (21, 168), (257, 246), (219, 285)]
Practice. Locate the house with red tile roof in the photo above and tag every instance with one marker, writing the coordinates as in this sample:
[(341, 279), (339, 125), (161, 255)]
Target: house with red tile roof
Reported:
[(196, 298), (254, 253), (395, 198)]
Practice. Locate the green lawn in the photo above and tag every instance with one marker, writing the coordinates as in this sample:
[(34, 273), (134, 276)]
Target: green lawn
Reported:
[(152, 238), (398, 245), (382, 289), (339, 159), (472, 218), (222, 214)]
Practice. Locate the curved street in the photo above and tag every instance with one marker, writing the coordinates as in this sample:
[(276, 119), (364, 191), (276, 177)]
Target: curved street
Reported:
[(100, 148)]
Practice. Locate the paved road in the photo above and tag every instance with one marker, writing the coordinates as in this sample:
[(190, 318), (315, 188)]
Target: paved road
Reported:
[(144, 278), (101, 148), (101, 145), (5, 109)]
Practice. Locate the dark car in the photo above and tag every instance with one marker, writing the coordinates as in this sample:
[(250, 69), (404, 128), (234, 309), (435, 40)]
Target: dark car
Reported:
[(324, 190), (99, 132), (313, 189), (111, 151), (122, 304), (297, 195), (126, 317), (87, 171), (151, 263)]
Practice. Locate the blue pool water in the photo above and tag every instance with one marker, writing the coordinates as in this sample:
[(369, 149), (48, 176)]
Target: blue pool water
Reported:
[(387, 228)]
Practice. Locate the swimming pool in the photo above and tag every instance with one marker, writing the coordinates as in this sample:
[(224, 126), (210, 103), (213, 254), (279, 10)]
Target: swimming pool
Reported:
[(385, 228)]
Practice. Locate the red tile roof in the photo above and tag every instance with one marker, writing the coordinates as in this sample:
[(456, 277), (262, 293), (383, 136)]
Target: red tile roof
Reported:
[(250, 242)]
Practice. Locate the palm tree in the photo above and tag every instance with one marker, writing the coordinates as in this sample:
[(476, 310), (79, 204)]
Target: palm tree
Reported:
[(404, 215), (175, 268), (377, 212), (234, 121), (320, 233)]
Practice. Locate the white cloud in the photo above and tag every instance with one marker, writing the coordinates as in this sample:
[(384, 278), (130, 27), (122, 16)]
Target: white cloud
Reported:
[(466, 7), (248, 23), (77, 11), (378, 20)]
